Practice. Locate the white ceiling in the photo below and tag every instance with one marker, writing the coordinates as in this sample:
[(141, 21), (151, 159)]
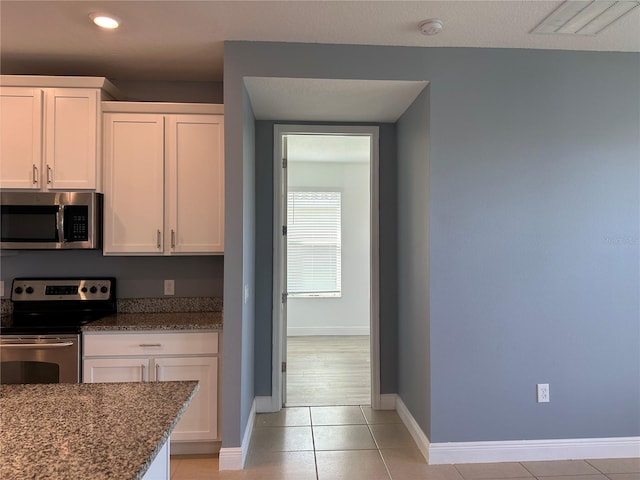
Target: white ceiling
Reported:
[(328, 148), (311, 99), (182, 40)]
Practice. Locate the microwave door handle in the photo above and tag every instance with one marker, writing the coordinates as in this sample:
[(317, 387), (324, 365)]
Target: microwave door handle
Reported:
[(61, 238)]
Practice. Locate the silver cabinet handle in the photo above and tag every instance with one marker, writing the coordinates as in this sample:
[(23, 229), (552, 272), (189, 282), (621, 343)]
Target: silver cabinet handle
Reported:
[(35, 174), (149, 344), (157, 372), (158, 236), (49, 174), (173, 238), (142, 372)]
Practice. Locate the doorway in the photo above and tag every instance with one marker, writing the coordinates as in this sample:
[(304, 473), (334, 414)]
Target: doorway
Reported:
[(326, 257)]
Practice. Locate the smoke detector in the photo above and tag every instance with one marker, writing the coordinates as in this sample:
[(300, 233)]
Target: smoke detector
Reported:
[(432, 26)]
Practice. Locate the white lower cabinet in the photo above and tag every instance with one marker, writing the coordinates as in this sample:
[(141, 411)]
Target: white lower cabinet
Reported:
[(199, 422), (158, 357), (110, 370)]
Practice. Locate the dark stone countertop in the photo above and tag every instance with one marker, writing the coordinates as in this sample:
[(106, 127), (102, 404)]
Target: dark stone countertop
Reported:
[(97, 431), (157, 321)]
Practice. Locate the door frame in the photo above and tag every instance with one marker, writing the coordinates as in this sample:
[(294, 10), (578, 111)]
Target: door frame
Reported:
[(278, 319)]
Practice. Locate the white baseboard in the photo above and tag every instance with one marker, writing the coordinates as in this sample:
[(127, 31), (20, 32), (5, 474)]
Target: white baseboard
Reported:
[(422, 441), (233, 458), (516, 451), (230, 458), (388, 401), (318, 331), (531, 450)]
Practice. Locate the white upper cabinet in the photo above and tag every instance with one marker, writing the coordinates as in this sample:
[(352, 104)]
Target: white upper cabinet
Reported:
[(50, 130), (133, 183), (195, 183), (164, 181), (71, 138), (20, 137)]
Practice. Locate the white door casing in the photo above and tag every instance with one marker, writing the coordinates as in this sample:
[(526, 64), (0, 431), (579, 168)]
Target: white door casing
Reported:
[(279, 316), (283, 265)]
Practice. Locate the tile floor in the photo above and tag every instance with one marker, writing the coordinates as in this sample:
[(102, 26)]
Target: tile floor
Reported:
[(358, 443)]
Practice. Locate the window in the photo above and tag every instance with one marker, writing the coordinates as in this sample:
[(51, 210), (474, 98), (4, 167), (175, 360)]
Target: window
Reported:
[(314, 244)]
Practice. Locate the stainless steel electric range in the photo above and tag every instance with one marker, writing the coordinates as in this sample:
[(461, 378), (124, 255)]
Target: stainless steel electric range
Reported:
[(41, 342)]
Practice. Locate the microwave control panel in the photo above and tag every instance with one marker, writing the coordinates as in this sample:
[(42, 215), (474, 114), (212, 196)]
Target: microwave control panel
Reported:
[(76, 223)]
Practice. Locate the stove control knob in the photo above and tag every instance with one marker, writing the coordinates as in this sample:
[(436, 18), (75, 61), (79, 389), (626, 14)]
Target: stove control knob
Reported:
[(104, 289), (93, 289), (83, 289), (18, 290), (29, 290)]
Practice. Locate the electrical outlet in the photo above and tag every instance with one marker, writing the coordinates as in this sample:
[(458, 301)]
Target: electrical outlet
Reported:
[(169, 287), (2, 288), (542, 390)]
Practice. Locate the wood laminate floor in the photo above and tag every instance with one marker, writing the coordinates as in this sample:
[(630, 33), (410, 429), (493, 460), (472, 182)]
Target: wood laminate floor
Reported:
[(328, 370)]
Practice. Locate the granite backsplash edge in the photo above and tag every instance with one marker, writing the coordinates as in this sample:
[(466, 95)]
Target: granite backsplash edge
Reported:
[(152, 305)]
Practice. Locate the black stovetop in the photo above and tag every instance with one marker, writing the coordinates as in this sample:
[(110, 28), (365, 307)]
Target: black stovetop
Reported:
[(58, 305)]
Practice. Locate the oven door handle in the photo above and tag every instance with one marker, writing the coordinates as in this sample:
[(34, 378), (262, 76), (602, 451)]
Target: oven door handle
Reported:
[(36, 345)]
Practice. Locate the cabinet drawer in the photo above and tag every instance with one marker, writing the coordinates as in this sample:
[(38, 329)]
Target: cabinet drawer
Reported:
[(150, 344)]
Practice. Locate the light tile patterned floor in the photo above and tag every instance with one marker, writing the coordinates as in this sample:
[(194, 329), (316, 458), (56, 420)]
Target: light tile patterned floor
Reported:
[(297, 444)]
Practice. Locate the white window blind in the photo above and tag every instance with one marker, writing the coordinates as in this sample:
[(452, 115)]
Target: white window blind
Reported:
[(314, 243)]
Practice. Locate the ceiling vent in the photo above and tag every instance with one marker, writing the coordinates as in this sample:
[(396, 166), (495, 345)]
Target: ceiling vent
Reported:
[(578, 17)]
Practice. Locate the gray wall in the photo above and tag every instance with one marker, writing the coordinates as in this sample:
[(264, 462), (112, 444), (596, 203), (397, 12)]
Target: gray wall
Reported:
[(414, 369), (165, 91), (264, 255), (248, 253), (533, 230), (239, 328), (138, 277)]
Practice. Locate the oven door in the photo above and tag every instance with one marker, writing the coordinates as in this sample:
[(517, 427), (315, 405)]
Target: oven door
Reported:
[(40, 359)]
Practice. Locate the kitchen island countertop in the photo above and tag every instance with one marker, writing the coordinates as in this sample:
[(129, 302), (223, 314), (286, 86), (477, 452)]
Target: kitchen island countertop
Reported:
[(94, 431), (157, 321)]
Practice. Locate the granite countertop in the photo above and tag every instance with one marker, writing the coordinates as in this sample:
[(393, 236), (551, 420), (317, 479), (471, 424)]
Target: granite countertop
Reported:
[(157, 321), (97, 431)]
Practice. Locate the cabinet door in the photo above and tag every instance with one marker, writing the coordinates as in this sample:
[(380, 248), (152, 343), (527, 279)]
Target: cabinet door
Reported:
[(20, 137), (200, 421), (195, 183), (71, 138), (109, 370), (134, 183)]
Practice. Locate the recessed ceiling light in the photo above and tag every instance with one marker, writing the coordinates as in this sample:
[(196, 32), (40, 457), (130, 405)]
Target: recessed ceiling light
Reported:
[(583, 17), (432, 26), (104, 20)]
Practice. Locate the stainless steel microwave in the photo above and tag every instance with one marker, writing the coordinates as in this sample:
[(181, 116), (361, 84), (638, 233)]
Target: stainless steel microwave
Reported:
[(50, 220)]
